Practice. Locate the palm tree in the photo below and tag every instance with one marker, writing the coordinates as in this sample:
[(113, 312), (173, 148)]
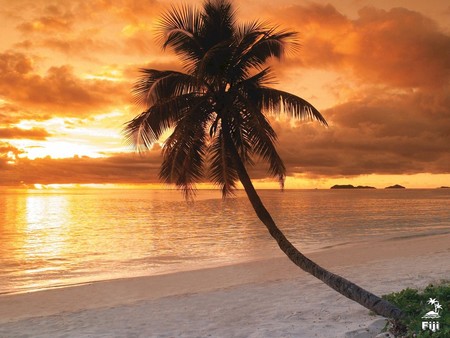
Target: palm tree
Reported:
[(217, 110)]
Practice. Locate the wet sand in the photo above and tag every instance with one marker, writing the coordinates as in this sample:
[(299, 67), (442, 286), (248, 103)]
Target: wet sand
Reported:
[(265, 298)]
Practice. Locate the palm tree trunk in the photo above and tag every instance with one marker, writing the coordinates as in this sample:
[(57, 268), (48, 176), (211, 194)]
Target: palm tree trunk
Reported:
[(338, 283)]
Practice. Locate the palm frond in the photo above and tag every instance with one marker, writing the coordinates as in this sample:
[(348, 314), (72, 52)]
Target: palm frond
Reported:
[(147, 127), (156, 85), (218, 23), (244, 30), (216, 38), (240, 134), (264, 44), (263, 138), (179, 29), (184, 153), (222, 171), (214, 63), (263, 78), (246, 36), (276, 101)]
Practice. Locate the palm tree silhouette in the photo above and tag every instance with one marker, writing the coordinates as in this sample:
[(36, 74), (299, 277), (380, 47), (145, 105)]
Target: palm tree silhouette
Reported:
[(217, 109)]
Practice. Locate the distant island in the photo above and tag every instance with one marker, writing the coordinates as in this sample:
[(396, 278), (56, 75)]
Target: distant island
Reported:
[(444, 187), (397, 186), (349, 186)]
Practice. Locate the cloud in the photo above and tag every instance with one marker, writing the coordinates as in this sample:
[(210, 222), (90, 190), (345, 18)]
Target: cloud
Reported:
[(81, 28), (8, 154), (6, 148), (42, 17), (389, 87), (54, 19), (135, 10), (125, 10), (83, 44), (91, 45), (375, 134), (18, 133), (119, 168), (12, 114), (392, 75), (59, 90), (399, 47)]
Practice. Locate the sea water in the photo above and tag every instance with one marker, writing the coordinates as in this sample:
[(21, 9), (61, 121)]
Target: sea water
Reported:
[(53, 238)]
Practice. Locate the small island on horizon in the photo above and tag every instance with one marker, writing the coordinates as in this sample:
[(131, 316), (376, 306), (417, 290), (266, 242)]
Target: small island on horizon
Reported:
[(350, 186), (396, 186)]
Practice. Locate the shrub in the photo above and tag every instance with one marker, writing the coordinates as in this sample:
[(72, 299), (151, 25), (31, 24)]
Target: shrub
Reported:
[(415, 304)]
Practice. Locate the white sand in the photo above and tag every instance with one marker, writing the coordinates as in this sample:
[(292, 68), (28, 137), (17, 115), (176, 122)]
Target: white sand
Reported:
[(270, 298)]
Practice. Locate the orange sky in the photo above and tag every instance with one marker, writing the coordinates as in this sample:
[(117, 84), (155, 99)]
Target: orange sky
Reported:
[(378, 71)]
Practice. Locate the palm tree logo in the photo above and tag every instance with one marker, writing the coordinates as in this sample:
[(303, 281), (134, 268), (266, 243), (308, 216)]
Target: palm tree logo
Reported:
[(433, 314)]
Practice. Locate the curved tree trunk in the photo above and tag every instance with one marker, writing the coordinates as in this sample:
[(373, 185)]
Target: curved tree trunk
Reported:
[(338, 283)]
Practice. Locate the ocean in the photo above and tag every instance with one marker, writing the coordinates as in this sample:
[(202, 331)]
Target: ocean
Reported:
[(55, 238)]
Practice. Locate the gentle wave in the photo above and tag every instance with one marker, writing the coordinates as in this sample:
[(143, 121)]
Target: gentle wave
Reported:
[(56, 238)]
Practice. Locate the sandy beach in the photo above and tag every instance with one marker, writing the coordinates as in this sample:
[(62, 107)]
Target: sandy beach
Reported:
[(266, 298)]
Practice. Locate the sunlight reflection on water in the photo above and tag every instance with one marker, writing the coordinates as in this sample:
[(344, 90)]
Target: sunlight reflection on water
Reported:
[(56, 238)]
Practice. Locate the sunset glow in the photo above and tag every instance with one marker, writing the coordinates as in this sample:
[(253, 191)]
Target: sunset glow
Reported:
[(377, 71)]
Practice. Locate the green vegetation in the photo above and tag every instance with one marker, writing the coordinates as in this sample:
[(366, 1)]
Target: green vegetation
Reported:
[(415, 305)]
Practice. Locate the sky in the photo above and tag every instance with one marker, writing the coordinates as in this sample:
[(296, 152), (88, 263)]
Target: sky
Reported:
[(379, 72)]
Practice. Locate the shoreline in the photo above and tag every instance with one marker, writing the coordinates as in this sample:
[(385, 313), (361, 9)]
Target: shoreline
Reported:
[(379, 266), (275, 252)]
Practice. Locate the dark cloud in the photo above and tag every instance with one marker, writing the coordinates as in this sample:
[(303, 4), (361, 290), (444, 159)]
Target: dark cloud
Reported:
[(395, 119), (391, 134), (119, 168), (375, 134), (398, 47), (393, 68)]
